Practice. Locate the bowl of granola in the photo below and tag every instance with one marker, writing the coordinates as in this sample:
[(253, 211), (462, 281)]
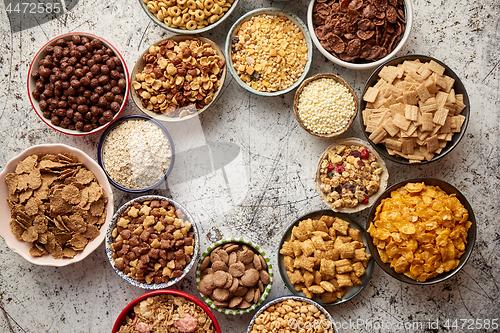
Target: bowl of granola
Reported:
[(178, 78), (152, 242), (61, 201), (269, 51), (181, 312), (325, 256), (350, 175)]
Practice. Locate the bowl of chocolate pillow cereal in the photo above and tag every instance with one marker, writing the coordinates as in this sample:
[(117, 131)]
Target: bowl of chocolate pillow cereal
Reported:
[(78, 83)]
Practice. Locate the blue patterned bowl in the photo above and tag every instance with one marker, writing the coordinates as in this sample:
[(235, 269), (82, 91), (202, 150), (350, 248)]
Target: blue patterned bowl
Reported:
[(267, 288), (109, 241)]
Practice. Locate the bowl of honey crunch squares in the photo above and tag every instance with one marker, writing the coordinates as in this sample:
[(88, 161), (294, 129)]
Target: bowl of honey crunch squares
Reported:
[(269, 51), (415, 109), (350, 175), (421, 231), (55, 203), (178, 78), (324, 256)]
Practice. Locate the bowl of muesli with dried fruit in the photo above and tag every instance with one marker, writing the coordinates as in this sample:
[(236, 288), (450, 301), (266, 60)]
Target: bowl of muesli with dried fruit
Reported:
[(350, 176), (181, 312)]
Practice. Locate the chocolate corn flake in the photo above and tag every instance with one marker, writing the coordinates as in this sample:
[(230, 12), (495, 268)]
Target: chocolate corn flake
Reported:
[(56, 204)]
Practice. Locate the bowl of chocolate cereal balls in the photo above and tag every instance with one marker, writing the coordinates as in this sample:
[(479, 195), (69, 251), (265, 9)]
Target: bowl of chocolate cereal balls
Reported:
[(78, 83)]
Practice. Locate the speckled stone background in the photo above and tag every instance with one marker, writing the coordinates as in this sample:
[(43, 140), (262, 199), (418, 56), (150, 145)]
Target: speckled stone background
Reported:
[(245, 169)]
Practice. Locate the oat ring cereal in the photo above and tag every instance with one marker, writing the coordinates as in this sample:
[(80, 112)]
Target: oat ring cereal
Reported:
[(191, 25), (209, 4)]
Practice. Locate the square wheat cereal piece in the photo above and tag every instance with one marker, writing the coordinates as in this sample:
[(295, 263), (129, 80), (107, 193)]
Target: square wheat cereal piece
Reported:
[(360, 255), (297, 251), (329, 220), (301, 233), (440, 116), (429, 106), (328, 297), (423, 92), (327, 268), (432, 143), (400, 121), (343, 269), (344, 280), (449, 83), (307, 247), (320, 225), (295, 277), (390, 128), (436, 68), (355, 280), (440, 81), (442, 144), (288, 263), (416, 156), (449, 137), (411, 132), (318, 243), (378, 135), (428, 155), (459, 106), (333, 254), (340, 226), (446, 128), (441, 99), (394, 144), (355, 234), (366, 113), (398, 108), (450, 98), (358, 269), (287, 249), (411, 112), (410, 96), (371, 94), (430, 84), (407, 146), (308, 278), (347, 250), (424, 71), (388, 73), (427, 123), (442, 136), (307, 263)]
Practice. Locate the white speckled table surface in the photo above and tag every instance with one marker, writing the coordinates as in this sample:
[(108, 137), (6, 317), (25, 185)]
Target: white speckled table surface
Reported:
[(265, 180)]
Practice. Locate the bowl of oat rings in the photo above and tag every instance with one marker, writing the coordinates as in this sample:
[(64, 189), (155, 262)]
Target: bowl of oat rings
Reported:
[(360, 34), (269, 51), (178, 78), (188, 16), (234, 276), (136, 153)]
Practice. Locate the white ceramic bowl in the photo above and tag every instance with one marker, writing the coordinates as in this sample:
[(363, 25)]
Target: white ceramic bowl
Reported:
[(109, 241), (408, 8), (31, 83), (140, 64), (185, 31), (22, 248), (269, 11)]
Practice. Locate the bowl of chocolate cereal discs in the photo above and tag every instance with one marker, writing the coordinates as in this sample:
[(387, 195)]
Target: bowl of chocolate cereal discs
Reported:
[(234, 276)]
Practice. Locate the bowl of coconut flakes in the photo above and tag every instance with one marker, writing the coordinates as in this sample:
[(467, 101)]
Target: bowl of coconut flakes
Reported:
[(136, 153)]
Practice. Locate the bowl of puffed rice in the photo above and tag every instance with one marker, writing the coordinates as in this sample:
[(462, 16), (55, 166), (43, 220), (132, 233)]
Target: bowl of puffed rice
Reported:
[(269, 51), (188, 16), (325, 105)]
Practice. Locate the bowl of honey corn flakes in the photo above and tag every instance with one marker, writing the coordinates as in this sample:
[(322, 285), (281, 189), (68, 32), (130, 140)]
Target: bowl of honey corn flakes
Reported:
[(421, 231)]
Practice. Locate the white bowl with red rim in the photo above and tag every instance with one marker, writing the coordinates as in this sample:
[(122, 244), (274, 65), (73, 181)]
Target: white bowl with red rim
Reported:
[(31, 83)]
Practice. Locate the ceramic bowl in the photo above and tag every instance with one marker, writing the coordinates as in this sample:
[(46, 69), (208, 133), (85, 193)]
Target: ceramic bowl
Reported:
[(351, 291), (130, 307), (272, 12), (109, 130), (22, 248), (408, 10), (186, 31), (471, 236), (337, 79), (31, 83), (326, 323), (257, 250), (458, 87), (109, 241), (140, 64), (384, 177)]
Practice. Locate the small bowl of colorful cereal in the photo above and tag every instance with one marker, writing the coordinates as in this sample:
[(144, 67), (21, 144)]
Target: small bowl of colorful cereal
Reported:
[(325, 105), (324, 256), (137, 153), (421, 231), (178, 78), (55, 205), (188, 16), (360, 34), (152, 242), (350, 176), (269, 51), (234, 276), (181, 312), (78, 83), (288, 312)]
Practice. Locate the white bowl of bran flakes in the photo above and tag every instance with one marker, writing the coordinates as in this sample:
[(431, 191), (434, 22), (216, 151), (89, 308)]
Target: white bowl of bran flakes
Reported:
[(22, 247)]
